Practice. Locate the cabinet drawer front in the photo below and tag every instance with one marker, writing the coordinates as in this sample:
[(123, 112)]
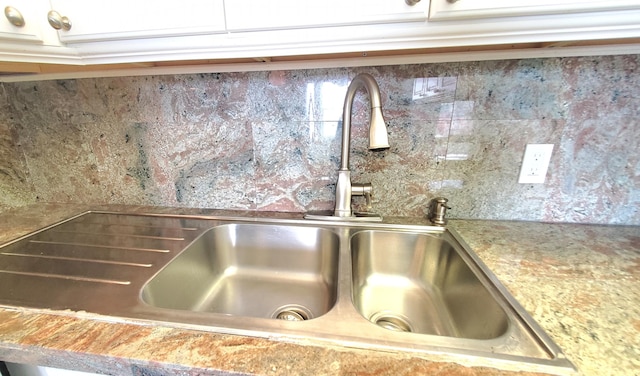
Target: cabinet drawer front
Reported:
[(442, 10), (121, 19), (32, 13), (285, 14)]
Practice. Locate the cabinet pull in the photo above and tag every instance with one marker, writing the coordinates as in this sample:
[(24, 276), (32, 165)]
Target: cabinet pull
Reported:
[(14, 16), (412, 2), (57, 21), (452, 1)]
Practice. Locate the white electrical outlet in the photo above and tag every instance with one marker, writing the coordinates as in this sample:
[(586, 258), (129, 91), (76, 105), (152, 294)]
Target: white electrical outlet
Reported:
[(535, 163)]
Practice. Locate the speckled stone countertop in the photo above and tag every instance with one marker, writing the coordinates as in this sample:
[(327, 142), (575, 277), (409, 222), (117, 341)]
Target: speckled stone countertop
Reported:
[(579, 282)]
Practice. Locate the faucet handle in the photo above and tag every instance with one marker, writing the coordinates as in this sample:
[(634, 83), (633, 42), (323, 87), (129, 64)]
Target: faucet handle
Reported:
[(365, 190), (368, 196)]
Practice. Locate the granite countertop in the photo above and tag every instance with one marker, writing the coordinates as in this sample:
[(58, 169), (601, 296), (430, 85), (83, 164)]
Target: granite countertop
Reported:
[(579, 282)]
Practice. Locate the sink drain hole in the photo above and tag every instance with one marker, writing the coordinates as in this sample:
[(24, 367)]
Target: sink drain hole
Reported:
[(292, 313), (392, 321)]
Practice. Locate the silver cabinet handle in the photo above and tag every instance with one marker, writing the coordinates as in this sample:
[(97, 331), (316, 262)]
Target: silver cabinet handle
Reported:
[(452, 1), (412, 2), (14, 16), (57, 21)]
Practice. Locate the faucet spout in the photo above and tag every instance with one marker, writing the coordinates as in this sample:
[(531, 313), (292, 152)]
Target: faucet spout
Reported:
[(378, 139)]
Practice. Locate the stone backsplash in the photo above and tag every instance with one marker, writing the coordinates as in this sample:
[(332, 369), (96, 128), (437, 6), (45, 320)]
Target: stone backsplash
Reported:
[(271, 140)]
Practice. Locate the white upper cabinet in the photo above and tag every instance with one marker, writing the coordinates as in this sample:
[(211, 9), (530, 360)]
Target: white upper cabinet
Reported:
[(554, 22), (119, 31), (250, 15), (125, 19), (442, 10), (22, 21)]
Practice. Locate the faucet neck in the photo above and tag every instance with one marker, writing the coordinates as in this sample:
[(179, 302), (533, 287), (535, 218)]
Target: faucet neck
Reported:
[(369, 83)]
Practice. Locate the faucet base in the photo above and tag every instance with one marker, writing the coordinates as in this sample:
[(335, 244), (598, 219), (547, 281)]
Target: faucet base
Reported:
[(357, 217)]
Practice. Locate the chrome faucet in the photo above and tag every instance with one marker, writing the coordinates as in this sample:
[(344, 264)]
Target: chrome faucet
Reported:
[(377, 140)]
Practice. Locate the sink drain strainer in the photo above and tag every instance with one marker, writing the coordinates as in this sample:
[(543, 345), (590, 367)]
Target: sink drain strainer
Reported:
[(292, 312), (391, 321)]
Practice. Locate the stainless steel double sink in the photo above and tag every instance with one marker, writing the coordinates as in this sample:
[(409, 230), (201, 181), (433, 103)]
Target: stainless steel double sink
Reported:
[(390, 287)]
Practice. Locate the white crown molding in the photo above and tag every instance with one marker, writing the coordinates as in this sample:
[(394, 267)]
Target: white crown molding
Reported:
[(340, 62)]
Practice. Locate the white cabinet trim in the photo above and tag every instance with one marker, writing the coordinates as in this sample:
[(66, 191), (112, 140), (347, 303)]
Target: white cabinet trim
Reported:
[(404, 36), (345, 62)]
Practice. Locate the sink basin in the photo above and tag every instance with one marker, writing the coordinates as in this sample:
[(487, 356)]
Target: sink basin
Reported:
[(419, 283), (403, 288), (252, 270)]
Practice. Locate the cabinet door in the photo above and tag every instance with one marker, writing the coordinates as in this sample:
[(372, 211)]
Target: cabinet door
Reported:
[(442, 10), (33, 13), (244, 15), (126, 19)]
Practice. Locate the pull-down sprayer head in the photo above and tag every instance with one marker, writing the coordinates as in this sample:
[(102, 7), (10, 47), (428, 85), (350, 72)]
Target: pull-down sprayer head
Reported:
[(378, 138)]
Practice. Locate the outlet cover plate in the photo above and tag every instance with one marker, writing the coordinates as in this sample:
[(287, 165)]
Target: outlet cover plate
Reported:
[(535, 163)]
